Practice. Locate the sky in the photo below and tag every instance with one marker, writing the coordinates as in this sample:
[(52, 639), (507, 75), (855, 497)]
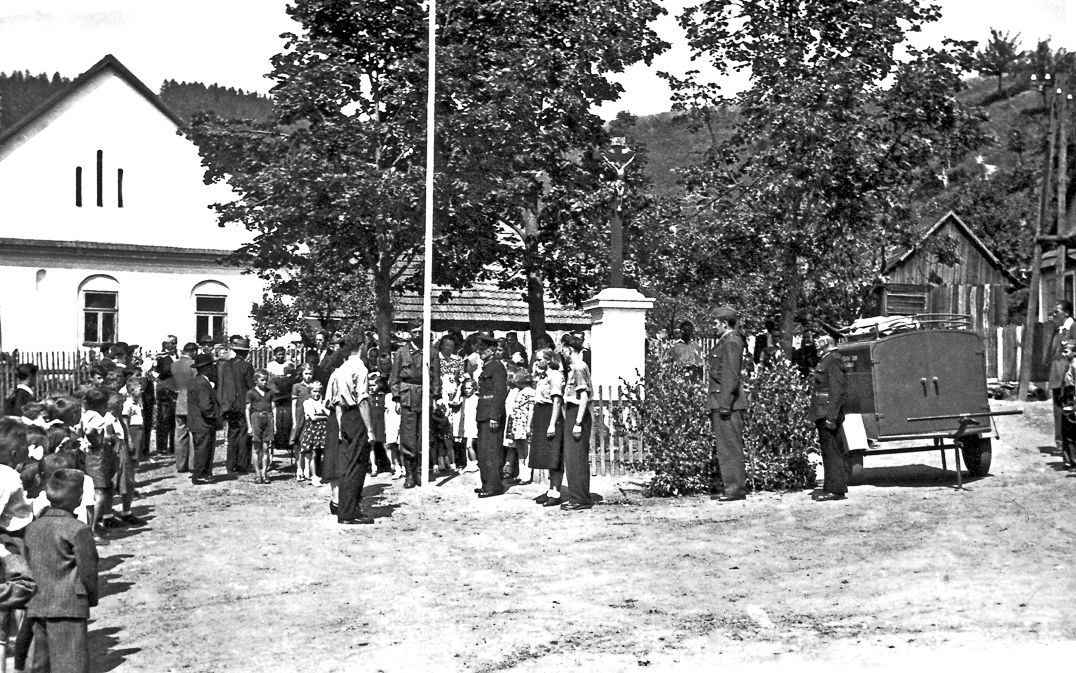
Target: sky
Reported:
[(229, 42)]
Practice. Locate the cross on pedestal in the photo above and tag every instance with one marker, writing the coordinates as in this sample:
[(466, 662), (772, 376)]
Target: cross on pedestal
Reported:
[(618, 156)]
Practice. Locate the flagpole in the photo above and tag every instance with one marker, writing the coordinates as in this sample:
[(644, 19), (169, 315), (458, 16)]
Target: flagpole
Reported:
[(427, 257)]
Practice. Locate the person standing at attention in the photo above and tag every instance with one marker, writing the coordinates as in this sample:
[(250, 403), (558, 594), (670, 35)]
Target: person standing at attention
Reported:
[(203, 419), (490, 415), (829, 386), (182, 375), (578, 392), (727, 404)]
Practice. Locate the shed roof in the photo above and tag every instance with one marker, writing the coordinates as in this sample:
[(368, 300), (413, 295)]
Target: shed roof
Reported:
[(901, 257), (486, 305)]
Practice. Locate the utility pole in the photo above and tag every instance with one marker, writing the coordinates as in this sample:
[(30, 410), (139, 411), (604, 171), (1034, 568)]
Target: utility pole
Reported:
[(1062, 186), (1036, 264)]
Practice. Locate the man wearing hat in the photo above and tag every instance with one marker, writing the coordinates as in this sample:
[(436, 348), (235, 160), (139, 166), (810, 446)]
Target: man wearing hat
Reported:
[(406, 382), (235, 377), (490, 414), (203, 418), (727, 403), (182, 376), (829, 386)]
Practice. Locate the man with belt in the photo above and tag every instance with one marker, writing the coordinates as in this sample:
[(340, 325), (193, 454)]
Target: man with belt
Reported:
[(406, 381), (490, 415), (349, 398), (829, 386), (727, 404)]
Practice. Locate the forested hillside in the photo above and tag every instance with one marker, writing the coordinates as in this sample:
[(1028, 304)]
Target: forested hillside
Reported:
[(21, 93)]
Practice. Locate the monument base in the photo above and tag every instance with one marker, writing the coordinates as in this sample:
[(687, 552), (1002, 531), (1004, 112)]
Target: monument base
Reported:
[(617, 337)]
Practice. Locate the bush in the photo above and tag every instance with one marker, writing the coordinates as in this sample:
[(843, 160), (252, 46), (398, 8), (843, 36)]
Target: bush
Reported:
[(675, 429)]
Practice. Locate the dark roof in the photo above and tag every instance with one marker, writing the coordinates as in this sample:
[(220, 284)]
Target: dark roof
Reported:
[(109, 62), (485, 305), (902, 256)]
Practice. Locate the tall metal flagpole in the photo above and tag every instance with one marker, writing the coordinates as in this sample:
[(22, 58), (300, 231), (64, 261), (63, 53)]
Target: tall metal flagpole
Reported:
[(427, 257)]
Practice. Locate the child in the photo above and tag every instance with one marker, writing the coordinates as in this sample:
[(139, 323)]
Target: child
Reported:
[(300, 393), (392, 434), (464, 422), (97, 435), (260, 424), (129, 398), (26, 379), (378, 459), (63, 561), (15, 510), (312, 442), (132, 416), (518, 411)]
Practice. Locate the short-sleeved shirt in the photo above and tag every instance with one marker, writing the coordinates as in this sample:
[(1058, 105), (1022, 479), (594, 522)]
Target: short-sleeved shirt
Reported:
[(347, 385), (259, 400), (547, 386), (300, 392), (577, 383)]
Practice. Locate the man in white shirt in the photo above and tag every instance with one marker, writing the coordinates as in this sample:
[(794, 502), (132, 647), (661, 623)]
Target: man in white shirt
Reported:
[(350, 400)]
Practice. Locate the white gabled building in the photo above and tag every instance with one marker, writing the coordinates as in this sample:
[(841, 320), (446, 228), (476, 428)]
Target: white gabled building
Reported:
[(105, 230)]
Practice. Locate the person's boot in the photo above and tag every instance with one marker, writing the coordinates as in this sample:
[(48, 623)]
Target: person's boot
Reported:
[(410, 472)]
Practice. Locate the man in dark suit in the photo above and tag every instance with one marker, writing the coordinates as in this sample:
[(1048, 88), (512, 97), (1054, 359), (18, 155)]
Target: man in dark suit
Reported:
[(490, 414), (182, 375), (1066, 331), (829, 388), (165, 394), (727, 404), (203, 419), (63, 560), (324, 350), (235, 378)]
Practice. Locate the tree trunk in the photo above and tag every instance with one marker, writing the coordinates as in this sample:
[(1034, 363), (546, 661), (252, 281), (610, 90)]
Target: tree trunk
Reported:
[(383, 302), (535, 277), (790, 301)]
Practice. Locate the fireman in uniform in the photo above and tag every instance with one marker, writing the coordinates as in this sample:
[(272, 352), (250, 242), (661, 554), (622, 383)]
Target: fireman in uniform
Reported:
[(727, 403), (829, 386), (406, 381)]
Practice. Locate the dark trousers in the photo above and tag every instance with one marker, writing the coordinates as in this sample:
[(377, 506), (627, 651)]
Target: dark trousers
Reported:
[(147, 423), (577, 455), (834, 458), (282, 432), (60, 646), (728, 437), (1068, 441), (238, 457), (1058, 415), (410, 429), (202, 460), (166, 421), (489, 449), (354, 464), (381, 457)]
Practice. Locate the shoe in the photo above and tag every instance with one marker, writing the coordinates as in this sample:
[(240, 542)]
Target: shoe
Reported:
[(332, 507), (827, 497), (553, 502), (730, 498), (131, 520), (111, 522), (359, 520), (542, 499), (478, 490), (490, 494), (409, 482), (100, 535), (575, 506)]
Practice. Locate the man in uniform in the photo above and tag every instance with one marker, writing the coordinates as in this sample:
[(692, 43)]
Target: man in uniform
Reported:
[(727, 403), (829, 386), (406, 381), (490, 415)]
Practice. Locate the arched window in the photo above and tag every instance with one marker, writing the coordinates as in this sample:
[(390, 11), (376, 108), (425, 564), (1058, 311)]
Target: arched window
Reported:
[(210, 310), (99, 298)]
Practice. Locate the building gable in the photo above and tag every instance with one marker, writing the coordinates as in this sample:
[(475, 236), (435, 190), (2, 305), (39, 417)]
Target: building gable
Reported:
[(102, 162), (976, 264)]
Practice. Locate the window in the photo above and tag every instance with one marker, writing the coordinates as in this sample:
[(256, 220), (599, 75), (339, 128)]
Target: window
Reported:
[(211, 316), (100, 314)]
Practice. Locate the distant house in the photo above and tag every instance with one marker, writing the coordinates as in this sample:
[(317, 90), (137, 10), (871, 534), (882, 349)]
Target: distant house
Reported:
[(976, 286), (106, 234)]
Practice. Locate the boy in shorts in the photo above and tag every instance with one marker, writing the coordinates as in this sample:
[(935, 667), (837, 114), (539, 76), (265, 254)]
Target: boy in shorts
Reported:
[(260, 425)]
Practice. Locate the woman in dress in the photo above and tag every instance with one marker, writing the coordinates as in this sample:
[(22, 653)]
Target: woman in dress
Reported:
[(547, 425)]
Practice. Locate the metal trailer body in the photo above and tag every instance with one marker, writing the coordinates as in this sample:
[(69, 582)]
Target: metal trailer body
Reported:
[(924, 385)]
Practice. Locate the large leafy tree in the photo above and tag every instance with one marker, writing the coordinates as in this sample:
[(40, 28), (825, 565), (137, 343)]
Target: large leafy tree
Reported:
[(1000, 56), (832, 136), (523, 195), (336, 180)]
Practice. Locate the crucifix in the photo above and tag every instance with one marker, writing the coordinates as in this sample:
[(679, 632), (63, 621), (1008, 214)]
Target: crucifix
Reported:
[(618, 156)]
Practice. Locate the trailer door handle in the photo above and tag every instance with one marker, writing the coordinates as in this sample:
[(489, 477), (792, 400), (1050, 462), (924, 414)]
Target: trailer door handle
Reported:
[(936, 392), (924, 382)]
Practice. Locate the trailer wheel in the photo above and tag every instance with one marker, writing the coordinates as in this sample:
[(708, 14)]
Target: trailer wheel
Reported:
[(976, 452), (855, 468)]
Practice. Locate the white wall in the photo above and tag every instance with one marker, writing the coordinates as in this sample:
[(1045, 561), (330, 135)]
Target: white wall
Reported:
[(46, 315), (164, 199)]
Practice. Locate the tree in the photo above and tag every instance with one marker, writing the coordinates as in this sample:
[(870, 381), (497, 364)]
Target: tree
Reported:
[(1001, 55), (521, 194), (334, 185), (814, 185)]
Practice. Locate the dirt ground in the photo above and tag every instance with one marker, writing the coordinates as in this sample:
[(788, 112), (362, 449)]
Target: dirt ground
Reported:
[(908, 571)]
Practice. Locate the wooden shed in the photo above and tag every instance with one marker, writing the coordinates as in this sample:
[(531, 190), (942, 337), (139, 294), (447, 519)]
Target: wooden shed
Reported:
[(977, 285)]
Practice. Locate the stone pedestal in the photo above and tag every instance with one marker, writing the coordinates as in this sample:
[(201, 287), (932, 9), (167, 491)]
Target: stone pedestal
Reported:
[(617, 336)]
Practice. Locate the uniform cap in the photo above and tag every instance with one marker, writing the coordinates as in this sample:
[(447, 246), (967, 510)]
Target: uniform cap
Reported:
[(726, 313)]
